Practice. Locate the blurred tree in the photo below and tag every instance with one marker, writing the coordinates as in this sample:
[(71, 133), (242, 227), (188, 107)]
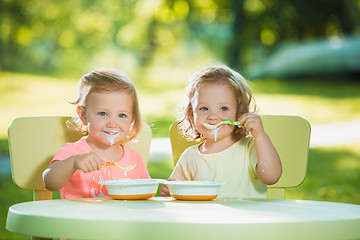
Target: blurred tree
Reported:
[(233, 52), (264, 24), (63, 35)]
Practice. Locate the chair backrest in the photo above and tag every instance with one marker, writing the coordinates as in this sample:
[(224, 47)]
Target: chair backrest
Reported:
[(290, 136), (33, 141)]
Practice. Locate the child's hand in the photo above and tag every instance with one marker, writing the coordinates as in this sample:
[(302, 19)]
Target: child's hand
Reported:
[(87, 162), (268, 167), (253, 124), (164, 190)]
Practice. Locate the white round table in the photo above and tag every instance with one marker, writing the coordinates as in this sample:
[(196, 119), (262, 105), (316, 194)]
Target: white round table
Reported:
[(165, 218)]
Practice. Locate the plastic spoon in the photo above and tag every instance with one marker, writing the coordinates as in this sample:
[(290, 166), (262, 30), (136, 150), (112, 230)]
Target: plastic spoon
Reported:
[(110, 164), (125, 169), (225, 121)]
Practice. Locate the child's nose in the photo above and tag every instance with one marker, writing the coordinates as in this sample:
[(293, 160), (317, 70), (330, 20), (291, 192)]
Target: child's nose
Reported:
[(111, 122), (213, 115)]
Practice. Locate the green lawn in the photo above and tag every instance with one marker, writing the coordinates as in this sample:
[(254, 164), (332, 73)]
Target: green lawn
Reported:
[(333, 172)]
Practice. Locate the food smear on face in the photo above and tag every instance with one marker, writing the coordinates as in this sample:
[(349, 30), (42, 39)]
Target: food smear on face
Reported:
[(214, 129), (215, 132), (111, 137)]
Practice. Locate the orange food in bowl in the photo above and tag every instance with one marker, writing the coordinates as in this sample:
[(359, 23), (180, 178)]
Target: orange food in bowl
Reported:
[(132, 189), (194, 190), (133, 197), (194, 197)]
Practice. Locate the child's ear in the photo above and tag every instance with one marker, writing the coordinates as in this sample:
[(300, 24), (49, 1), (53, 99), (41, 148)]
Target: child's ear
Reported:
[(80, 110)]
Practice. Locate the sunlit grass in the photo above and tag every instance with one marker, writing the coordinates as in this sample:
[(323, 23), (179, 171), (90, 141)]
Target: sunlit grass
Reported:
[(315, 109), (333, 174), (30, 95)]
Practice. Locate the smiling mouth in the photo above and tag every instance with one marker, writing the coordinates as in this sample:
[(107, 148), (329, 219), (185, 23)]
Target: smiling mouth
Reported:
[(110, 136), (210, 126), (111, 133)]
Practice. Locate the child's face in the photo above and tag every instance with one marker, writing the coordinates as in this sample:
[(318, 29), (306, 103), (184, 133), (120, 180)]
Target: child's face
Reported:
[(108, 116), (212, 103)]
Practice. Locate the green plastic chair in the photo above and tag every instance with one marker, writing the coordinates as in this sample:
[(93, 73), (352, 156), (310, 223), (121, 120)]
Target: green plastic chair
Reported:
[(33, 141), (290, 136)]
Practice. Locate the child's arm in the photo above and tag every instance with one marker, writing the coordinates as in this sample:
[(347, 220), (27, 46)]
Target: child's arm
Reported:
[(164, 190), (59, 172), (181, 172), (268, 167)]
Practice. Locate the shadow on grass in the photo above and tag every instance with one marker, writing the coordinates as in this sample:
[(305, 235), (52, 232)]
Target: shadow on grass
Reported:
[(10, 194), (4, 146), (332, 175)]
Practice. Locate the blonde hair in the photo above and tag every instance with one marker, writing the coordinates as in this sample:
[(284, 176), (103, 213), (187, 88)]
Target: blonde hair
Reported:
[(107, 80), (216, 73)]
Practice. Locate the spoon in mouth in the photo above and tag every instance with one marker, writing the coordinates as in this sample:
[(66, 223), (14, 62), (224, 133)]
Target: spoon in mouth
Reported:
[(225, 121)]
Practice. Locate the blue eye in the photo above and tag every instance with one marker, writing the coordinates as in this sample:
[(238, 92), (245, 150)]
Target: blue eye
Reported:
[(224, 109), (122, 115), (103, 114), (204, 109)]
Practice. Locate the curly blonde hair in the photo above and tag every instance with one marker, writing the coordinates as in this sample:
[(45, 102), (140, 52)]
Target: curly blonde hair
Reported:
[(222, 74), (106, 80)]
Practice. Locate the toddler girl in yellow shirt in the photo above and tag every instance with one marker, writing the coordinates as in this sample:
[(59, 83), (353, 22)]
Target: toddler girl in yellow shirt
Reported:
[(241, 156)]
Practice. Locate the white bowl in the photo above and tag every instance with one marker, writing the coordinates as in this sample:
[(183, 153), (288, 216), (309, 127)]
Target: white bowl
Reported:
[(132, 189), (193, 190)]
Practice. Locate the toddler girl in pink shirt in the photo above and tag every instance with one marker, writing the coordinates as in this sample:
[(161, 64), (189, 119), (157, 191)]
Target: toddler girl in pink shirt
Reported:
[(108, 113)]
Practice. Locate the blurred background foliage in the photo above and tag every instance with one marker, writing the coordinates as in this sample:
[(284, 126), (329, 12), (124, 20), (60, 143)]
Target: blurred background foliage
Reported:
[(65, 37), (46, 46)]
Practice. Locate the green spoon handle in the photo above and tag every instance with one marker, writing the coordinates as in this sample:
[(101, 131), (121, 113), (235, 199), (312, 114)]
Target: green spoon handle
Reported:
[(227, 121)]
